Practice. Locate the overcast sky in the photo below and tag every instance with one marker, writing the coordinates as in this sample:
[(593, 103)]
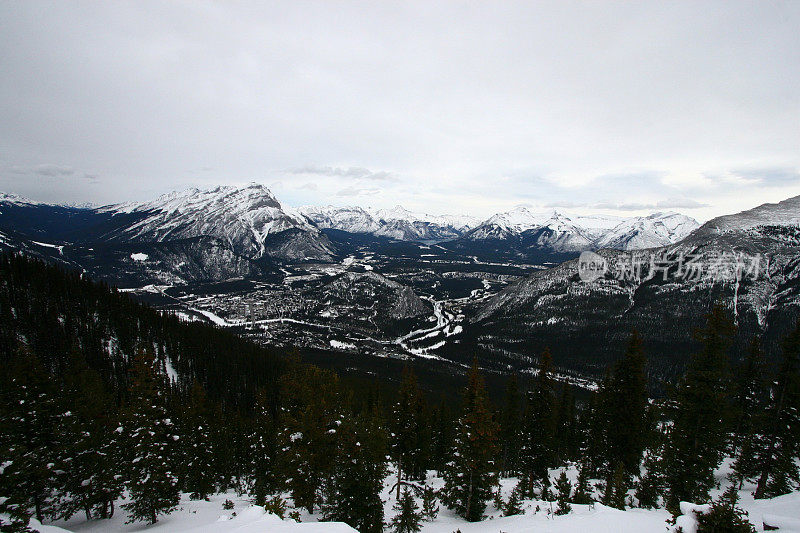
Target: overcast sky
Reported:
[(460, 107)]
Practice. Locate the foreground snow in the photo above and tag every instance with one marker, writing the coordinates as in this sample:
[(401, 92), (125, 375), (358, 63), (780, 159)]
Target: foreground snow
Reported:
[(538, 516)]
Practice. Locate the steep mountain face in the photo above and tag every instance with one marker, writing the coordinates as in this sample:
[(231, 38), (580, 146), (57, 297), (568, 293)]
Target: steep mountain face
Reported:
[(351, 219), (521, 234), (185, 237), (658, 229), (246, 218), (749, 262), (396, 223)]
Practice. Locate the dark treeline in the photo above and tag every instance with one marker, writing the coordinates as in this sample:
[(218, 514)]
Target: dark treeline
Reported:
[(101, 395)]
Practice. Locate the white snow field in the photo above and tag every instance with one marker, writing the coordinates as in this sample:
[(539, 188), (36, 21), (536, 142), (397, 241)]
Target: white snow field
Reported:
[(538, 516)]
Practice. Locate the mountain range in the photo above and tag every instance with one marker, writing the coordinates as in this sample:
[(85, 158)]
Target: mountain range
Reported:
[(401, 284), (747, 262), (211, 235)]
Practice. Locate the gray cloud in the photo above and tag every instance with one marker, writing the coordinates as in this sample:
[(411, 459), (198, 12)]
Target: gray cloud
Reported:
[(676, 203), (353, 191), (770, 176), (49, 170), (350, 172), (473, 106)]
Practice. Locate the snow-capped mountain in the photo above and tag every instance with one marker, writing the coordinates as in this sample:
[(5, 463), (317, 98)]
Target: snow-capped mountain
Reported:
[(249, 218), (351, 219), (785, 213), (396, 223), (556, 308), (562, 232), (658, 229)]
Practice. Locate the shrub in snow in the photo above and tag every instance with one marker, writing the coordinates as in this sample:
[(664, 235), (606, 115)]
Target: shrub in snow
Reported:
[(721, 516), (227, 505), (277, 506)]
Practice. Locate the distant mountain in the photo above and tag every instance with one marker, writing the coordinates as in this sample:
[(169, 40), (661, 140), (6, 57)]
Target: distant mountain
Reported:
[(181, 237), (586, 323), (397, 223), (658, 229), (248, 218), (521, 234)]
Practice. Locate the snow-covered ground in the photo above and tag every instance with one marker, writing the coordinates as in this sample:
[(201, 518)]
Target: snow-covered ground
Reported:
[(538, 516)]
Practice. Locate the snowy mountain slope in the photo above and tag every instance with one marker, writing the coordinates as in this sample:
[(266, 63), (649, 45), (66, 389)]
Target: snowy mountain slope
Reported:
[(658, 229), (785, 213), (582, 321), (351, 219), (581, 232), (244, 217), (397, 223), (521, 234)]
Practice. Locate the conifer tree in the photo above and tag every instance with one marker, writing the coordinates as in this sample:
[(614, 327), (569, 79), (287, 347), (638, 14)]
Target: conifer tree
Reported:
[(650, 484), (622, 412), (778, 447), (405, 428), (353, 491), (407, 519), (310, 416), (725, 516), (617, 490), (91, 445), (698, 434), (514, 504), (583, 493), (564, 494), (750, 394), (565, 436), (430, 508), (30, 446), (470, 475), (200, 472), (441, 436), (539, 428), (151, 439), (510, 428), (264, 451)]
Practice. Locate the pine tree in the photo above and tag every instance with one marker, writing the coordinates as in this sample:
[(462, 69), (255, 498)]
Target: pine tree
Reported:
[(650, 484), (510, 428), (150, 436), (310, 416), (441, 437), (778, 447), (698, 435), (264, 451), (514, 504), (30, 445), (407, 519), (470, 475), (617, 490), (750, 395), (353, 491), (91, 445), (406, 428), (430, 508), (565, 430), (564, 494), (725, 516), (583, 493), (200, 473), (539, 428), (622, 411)]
